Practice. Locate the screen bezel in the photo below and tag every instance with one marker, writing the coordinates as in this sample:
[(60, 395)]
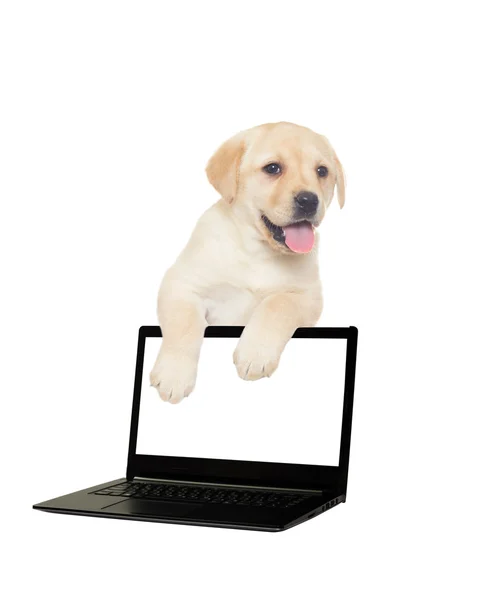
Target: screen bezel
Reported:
[(238, 472)]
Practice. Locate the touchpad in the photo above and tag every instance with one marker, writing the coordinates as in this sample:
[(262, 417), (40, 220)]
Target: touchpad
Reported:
[(152, 508)]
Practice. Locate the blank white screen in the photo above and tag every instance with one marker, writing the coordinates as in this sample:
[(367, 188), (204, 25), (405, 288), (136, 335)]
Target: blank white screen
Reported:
[(292, 417)]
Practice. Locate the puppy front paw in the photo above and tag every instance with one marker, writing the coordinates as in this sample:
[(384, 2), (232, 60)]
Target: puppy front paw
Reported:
[(174, 377), (255, 360)]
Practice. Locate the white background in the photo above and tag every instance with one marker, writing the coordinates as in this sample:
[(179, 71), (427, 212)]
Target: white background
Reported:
[(109, 112), (294, 416)]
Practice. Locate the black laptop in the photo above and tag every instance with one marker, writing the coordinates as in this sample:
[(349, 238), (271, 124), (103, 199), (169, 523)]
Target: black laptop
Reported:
[(263, 455)]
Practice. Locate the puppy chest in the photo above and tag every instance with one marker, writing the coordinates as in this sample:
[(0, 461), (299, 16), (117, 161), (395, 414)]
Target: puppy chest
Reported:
[(229, 305)]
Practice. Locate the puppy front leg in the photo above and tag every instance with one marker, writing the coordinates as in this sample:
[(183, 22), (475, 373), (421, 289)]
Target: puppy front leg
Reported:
[(182, 319), (272, 324)]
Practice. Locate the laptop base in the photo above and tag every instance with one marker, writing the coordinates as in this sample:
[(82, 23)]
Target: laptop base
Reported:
[(87, 503)]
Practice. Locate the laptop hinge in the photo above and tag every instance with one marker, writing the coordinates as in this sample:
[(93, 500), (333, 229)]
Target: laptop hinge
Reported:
[(234, 485)]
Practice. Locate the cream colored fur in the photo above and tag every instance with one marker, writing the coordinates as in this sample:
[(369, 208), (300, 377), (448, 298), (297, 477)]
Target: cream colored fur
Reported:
[(232, 271)]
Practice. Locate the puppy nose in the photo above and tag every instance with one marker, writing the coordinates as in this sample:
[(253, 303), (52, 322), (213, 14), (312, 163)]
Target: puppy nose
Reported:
[(306, 203)]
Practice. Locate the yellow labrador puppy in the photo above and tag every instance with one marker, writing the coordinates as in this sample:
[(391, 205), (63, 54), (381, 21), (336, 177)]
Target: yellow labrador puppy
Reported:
[(252, 258)]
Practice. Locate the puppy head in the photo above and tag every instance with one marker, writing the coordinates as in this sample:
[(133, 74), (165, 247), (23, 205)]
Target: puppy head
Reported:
[(282, 176)]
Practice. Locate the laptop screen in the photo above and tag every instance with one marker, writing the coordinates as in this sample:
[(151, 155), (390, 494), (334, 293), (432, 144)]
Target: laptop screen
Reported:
[(294, 416)]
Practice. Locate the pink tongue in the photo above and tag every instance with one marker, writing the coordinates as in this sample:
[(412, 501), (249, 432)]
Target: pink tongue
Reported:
[(299, 237)]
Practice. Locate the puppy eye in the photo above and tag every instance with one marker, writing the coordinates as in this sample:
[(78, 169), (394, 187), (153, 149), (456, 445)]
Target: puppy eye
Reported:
[(322, 171), (272, 169)]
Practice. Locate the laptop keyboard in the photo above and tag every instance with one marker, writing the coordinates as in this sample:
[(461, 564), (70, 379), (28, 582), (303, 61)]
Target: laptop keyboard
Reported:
[(201, 494)]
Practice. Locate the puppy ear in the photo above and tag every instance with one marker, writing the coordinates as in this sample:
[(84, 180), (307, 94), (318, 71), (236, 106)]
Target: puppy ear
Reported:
[(340, 182), (224, 166)]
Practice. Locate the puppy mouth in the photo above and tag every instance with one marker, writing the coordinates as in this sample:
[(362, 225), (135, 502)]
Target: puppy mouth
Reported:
[(299, 237)]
